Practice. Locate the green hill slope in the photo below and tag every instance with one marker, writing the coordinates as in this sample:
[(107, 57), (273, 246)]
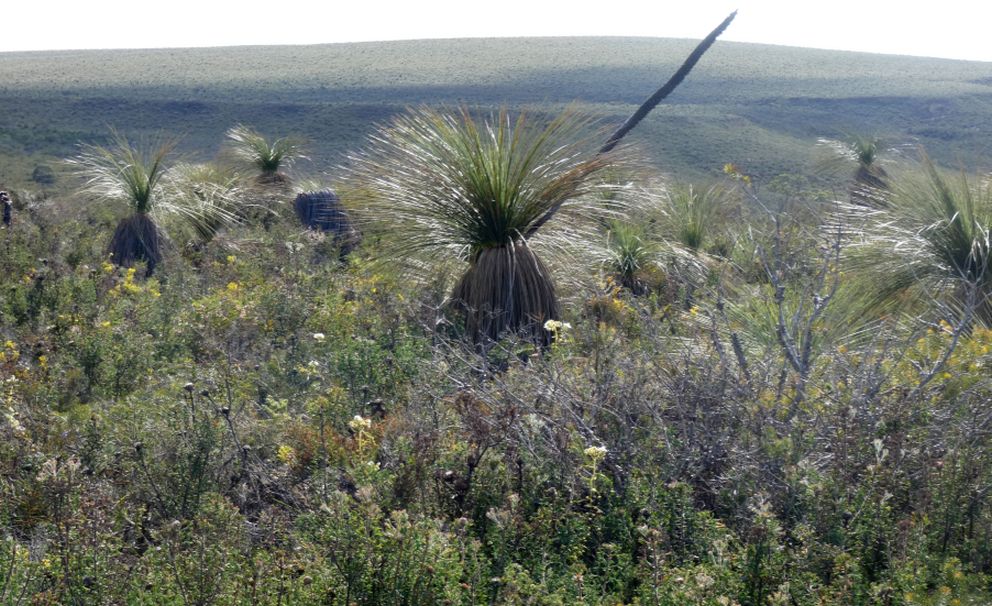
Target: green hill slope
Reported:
[(759, 106)]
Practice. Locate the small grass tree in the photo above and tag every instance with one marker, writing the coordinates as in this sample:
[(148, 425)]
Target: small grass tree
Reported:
[(211, 195), (692, 215), (629, 252), (445, 186), (669, 237)]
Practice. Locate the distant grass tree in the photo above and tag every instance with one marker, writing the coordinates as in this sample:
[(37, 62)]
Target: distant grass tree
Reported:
[(870, 184), (269, 159), (444, 186), (871, 181)]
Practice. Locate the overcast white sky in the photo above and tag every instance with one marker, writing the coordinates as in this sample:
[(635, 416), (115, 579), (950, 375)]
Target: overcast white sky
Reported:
[(956, 29)]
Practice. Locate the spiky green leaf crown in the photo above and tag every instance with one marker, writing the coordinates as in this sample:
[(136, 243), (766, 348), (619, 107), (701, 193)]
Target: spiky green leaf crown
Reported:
[(441, 181)]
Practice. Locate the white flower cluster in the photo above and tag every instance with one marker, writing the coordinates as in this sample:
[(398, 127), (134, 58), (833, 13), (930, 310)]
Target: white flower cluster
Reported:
[(360, 423), (596, 453), (556, 325)]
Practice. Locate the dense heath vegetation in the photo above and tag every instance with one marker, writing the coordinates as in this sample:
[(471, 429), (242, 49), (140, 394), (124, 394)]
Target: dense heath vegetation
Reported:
[(499, 368)]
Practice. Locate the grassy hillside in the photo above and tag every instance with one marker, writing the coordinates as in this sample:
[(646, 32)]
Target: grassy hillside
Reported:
[(759, 106)]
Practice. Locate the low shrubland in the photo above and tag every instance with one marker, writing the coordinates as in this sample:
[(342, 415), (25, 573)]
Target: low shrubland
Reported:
[(734, 418)]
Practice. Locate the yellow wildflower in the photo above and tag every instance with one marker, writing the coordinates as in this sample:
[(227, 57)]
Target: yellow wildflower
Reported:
[(286, 454)]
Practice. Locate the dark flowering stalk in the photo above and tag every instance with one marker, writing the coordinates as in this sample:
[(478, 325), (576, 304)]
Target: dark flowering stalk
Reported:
[(669, 86), (648, 105)]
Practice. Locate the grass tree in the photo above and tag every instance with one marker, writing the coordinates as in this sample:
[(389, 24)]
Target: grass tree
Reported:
[(871, 181), (448, 188), (642, 256), (669, 236), (931, 245), (138, 179), (253, 150), (210, 195), (870, 184), (123, 173), (445, 186)]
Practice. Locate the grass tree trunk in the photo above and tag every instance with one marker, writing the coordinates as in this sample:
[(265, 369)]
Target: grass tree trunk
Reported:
[(136, 239), (507, 288), (272, 178), (322, 210)]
